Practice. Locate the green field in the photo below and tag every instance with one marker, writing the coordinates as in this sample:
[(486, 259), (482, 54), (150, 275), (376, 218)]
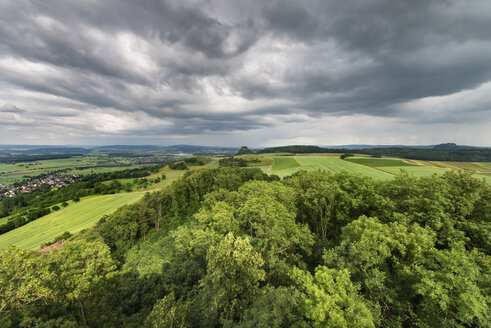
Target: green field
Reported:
[(331, 163), (379, 168), (73, 218), (419, 171), (282, 163), (378, 162)]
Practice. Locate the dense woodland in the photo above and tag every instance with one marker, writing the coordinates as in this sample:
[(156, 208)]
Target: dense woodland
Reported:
[(438, 153), (236, 247)]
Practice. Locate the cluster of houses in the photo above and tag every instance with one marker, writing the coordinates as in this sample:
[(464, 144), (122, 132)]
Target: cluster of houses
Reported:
[(53, 180)]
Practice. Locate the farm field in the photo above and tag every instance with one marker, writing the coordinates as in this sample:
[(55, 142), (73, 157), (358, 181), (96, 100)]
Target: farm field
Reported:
[(260, 160), (11, 173), (418, 171), (466, 166), (283, 163), (331, 163), (73, 218), (379, 162), (379, 168)]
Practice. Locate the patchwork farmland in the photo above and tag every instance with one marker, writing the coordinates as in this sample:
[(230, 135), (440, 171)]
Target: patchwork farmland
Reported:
[(73, 218), (378, 168)]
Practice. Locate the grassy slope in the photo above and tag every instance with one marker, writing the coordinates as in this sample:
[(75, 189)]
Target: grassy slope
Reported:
[(378, 162), (419, 171), (282, 163), (467, 166), (329, 163), (73, 218), (84, 214)]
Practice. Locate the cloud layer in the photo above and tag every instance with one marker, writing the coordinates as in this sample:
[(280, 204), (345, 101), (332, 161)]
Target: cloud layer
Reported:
[(245, 72)]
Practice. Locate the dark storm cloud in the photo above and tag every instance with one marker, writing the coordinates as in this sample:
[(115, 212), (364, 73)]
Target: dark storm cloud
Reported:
[(9, 108), (207, 66), (415, 49)]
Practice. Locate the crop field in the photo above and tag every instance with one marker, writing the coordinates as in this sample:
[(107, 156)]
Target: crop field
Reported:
[(418, 171), (379, 168), (465, 166), (282, 163), (73, 218), (379, 162), (260, 160), (11, 173), (331, 163)]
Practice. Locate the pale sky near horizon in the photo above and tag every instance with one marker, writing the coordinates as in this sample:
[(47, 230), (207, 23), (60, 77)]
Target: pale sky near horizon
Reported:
[(257, 73)]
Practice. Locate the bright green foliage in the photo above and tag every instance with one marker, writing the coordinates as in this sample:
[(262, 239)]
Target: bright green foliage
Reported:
[(274, 307), (447, 204), (450, 290), (329, 299), (80, 267), (234, 273), (22, 279), (411, 281), (237, 248), (327, 202), (188, 262), (169, 313), (265, 212), (232, 280)]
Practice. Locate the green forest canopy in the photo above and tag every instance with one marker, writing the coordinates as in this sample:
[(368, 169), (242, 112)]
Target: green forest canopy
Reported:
[(236, 247)]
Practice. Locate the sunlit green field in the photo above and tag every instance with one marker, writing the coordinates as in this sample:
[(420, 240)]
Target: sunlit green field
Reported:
[(419, 171), (73, 218), (283, 163), (331, 163), (378, 162), (379, 168)]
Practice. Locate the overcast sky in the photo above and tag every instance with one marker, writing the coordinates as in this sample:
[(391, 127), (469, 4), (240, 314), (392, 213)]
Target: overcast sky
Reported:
[(257, 73)]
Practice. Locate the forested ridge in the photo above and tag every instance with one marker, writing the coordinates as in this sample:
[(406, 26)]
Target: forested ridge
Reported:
[(435, 154), (237, 247)]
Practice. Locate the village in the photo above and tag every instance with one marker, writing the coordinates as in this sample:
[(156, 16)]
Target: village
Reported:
[(52, 180)]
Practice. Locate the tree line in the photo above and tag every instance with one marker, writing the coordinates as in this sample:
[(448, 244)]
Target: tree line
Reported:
[(237, 247), (435, 154)]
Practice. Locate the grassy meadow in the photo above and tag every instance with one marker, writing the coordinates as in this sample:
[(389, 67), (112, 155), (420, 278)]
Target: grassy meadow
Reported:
[(73, 218)]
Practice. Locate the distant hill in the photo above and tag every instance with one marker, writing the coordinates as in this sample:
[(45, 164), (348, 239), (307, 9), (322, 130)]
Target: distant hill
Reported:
[(461, 154), (364, 146), (244, 151), (451, 145)]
